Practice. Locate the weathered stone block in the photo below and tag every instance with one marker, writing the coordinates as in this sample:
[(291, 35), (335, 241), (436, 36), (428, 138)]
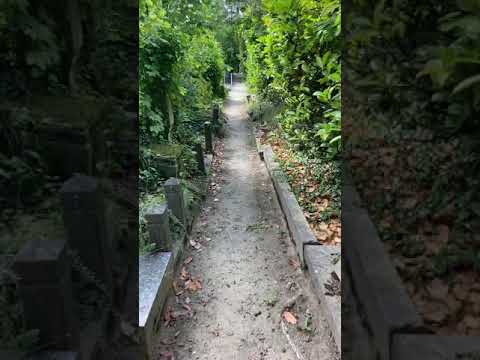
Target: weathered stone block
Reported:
[(200, 158), (175, 200), (435, 347), (169, 159), (158, 226), (216, 116), (320, 263), (155, 277), (297, 224), (386, 303), (84, 215), (208, 137), (45, 288)]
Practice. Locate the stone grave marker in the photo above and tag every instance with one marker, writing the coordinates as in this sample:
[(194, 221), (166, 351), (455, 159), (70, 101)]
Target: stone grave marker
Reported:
[(45, 287), (169, 159), (200, 158), (216, 116), (208, 137), (159, 226), (175, 201), (85, 223)]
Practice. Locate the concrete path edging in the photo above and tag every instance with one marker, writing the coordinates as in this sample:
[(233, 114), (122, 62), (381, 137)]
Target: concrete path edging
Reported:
[(387, 306), (297, 224), (434, 347), (313, 256), (320, 266)]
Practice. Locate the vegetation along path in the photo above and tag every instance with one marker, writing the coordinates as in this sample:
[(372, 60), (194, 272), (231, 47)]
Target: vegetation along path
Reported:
[(247, 291)]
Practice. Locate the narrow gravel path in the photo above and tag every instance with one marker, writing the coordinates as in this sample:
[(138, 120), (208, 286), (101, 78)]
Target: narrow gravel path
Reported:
[(247, 266)]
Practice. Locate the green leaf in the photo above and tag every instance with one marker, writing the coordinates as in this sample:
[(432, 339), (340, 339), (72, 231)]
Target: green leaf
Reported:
[(466, 83)]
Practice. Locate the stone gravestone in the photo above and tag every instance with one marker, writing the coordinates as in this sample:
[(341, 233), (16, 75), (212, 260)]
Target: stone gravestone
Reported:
[(168, 159), (208, 137), (45, 287), (216, 116), (174, 193), (200, 159), (85, 223), (158, 226)]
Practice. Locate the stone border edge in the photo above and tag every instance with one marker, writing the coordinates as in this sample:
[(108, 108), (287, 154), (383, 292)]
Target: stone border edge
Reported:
[(300, 232), (388, 313)]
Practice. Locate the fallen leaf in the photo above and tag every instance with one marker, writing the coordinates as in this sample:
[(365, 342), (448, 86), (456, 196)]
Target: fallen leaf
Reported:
[(294, 263), (167, 355), (188, 260), (169, 316), (187, 307), (177, 289), (195, 244), (168, 342), (289, 317), (193, 285), (184, 275)]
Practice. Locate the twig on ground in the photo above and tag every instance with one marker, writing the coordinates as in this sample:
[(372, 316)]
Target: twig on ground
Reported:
[(292, 345)]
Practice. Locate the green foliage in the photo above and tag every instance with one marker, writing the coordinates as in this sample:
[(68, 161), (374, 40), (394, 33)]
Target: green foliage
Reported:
[(442, 77), (293, 57), (182, 64), (43, 51)]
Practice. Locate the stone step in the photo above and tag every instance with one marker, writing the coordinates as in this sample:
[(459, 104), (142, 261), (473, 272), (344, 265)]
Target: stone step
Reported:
[(155, 281), (320, 261)]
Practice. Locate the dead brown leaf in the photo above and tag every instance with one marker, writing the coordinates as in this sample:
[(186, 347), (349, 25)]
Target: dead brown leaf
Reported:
[(184, 275), (168, 355), (169, 316), (177, 289), (289, 317), (193, 285), (188, 260), (294, 263)]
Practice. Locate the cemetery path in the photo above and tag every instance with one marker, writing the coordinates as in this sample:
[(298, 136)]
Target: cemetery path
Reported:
[(247, 267)]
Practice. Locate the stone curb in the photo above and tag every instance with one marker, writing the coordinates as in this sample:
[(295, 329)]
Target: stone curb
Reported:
[(319, 262), (434, 347), (297, 224), (157, 293), (387, 306), (313, 256)]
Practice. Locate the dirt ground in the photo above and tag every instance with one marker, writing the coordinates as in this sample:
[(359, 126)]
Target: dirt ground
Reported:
[(240, 290)]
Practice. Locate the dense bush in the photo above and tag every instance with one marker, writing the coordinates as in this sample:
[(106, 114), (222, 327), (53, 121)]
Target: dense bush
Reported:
[(293, 57), (181, 72)]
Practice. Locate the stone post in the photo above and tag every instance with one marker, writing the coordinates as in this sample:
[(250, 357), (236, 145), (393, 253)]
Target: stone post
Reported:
[(84, 218), (158, 226), (216, 116), (200, 159), (174, 192), (45, 288), (208, 137)]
